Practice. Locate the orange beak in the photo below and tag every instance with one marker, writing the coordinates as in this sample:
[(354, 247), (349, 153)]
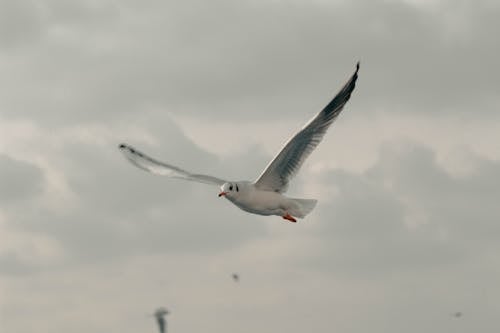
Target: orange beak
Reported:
[(221, 194)]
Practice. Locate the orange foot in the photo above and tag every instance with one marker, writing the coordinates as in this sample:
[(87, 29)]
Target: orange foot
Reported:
[(289, 218)]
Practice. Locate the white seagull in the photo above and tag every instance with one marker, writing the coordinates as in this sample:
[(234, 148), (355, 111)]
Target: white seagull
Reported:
[(265, 195)]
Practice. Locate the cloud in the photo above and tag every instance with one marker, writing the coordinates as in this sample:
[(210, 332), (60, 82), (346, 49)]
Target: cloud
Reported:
[(194, 59), (21, 23), (122, 210), (20, 180), (405, 214), (405, 232)]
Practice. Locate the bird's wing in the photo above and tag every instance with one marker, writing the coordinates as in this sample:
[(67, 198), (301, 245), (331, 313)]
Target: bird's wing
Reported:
[(289, 160), (149, 164)]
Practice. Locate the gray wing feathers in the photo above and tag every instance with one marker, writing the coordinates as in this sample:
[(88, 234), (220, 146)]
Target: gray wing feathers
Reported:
[(288, 162), (149, 164)]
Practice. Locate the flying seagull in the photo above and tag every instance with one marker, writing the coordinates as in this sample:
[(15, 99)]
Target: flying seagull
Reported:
[(264, 196), (160, 314)]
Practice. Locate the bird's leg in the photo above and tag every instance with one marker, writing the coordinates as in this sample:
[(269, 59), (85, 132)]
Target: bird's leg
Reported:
[(289, 217)]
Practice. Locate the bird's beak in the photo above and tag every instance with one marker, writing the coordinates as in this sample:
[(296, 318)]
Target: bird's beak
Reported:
[(221, 194)]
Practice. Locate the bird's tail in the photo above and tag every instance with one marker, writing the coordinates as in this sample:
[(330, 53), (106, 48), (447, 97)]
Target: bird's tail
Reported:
[(303, 207)]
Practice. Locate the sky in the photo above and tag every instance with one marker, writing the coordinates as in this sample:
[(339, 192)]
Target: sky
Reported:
[(406, 232)]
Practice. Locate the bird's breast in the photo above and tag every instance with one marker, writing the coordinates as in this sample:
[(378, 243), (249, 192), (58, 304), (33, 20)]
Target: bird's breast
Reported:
[(261, 202)]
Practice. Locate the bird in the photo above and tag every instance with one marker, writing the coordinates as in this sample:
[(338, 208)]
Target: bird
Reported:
[(235, 277), (457, 314), (160, 314), (265, 195)]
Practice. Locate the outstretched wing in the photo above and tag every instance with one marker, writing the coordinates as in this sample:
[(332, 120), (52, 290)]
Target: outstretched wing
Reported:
[(288, 162), (149, 164)]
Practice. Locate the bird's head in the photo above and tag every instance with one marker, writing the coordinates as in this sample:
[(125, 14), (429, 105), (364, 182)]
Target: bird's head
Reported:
[(229, 190)]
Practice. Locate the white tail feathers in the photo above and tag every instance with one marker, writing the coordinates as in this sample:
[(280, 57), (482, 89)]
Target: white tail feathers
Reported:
[(303, 207)]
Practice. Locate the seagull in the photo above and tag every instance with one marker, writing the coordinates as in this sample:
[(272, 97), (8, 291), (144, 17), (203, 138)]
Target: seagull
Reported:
[(160, 319), (264, 196)]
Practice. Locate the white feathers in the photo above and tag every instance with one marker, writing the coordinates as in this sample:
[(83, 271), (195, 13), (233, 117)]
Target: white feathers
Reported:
[(149, 164), (264, 196), (289, 160)]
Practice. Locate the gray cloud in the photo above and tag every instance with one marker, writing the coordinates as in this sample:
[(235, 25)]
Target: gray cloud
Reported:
[(464, 206), (20, 180), (121, 210), (399, 246), (21, 23), (11, 264), (406, 213), (250, 59)]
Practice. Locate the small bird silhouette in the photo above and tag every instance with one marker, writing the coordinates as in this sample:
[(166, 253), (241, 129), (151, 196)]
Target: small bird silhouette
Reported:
[(236, 278), (160, 314), (457, 314)]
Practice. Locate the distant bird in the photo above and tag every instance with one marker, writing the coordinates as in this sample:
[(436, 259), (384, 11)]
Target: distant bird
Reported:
[(160, 314), (236, 278), (265, 195), (457, 314)]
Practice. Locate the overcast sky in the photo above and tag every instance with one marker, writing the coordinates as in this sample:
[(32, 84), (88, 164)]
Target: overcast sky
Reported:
[(407, 229)]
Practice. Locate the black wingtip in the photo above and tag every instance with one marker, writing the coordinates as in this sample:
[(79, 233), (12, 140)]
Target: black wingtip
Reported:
[(354, 76)]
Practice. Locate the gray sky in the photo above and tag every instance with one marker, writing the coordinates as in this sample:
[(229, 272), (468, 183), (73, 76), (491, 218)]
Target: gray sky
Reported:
[(406, 231)]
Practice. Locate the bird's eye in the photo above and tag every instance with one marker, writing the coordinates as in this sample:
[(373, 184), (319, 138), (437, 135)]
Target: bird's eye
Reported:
[(231, 188)]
